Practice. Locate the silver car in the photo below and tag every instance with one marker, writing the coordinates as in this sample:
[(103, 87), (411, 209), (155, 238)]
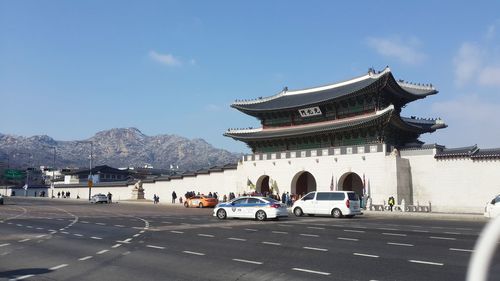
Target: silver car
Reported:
[(99, 198)]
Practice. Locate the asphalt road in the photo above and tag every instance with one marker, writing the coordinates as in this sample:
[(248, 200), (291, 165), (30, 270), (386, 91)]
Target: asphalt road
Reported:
[(44, 239)]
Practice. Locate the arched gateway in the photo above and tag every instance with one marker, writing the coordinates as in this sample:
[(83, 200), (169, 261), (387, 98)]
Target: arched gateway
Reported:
[(351, 182), (263, 185), (302, 183)]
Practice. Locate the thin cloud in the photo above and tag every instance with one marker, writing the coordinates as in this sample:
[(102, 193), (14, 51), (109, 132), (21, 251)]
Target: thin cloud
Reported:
[(212, 108), (405, 52), (476, 64), (166, 59)]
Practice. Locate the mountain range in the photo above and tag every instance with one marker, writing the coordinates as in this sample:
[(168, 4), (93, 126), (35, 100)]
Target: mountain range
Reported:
[(119, 147)]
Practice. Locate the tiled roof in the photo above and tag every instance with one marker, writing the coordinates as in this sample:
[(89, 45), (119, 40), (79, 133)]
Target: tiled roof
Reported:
[(472, 152)]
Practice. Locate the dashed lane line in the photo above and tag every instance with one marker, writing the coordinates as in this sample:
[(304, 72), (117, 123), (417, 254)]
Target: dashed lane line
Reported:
[(23, 277), (102, 252), (40, 236), (385, 228), (426, 262), (400, 244), (365, 255), (206, 235), (356, 231), (442, 238), (193, 253), (308, 235), (24, 240), (271, 243), (58, 266), (236, 239), (311, 271), (155, 247), (5, 244), (136, 235), (316, 249), (455, 249), (347, 239), (100, 223), (454, 233), (119, 225), (247, 261), (85, 258), (78, 235), (394, 234), (116, 246), (315, 227), (96, 238), (421, 231), (178, 232), (280, 232), (251, 229)]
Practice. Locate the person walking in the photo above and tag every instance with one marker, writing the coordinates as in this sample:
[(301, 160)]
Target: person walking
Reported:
[(391, 202), (109, 197), (174, 196)]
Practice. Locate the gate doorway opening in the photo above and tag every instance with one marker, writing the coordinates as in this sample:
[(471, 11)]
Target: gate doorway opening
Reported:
[(303, 183)]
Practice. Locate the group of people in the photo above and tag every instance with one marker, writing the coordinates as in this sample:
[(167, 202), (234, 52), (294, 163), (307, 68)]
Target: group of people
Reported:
[(63, 194), (156, 199)]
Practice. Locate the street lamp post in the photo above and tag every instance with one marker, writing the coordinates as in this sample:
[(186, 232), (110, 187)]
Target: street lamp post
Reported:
[(53, 173)]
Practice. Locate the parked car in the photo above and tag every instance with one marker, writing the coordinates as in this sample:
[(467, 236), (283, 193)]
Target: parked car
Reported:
[(99, 198), (1, 199), (492, 209), (335, 203), (200, 201), (255, 207)]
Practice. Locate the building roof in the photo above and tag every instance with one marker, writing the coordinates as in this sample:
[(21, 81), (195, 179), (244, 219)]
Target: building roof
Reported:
[(385, 115), (104, 169), (287, 100)]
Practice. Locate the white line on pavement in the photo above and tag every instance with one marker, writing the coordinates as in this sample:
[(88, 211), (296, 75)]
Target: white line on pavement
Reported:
[(385, 228), (315, 227), (119, 225), (96, 238), (58, 266), (454, 249), (166, 222), (23, 277), (285, 225), (193, 253), (136, 235), (365, 255), (116, 246), (100, 223), (422, 231), (400, 244), (205, 235), (24, 240), (426, 262), (455, 233), (64, 232), (279, 232), (77, 234), (393, 234), (39, 228), (3, 245), (251, 229), (175, 231), (271, 243), (348, 239), (350, 230), (309, 235), (236, 239), (40, 236), (29, 226), (247, 261), (316, 249), (84, 222), (102, 252), (442, 238), (155, 247), (310, 271), (85, 258)]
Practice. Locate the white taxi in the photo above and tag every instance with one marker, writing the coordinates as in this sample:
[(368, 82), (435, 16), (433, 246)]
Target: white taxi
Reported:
[(260, 208), (492, 209)]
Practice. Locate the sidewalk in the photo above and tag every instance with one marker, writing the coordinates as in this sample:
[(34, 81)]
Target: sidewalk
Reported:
[(425, 215)]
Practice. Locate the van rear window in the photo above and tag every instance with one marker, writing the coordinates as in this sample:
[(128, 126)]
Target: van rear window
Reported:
[(353, 196), (330, 196)]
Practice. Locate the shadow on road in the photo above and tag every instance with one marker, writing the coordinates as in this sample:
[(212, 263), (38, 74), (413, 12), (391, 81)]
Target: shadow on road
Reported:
[(12, 274)]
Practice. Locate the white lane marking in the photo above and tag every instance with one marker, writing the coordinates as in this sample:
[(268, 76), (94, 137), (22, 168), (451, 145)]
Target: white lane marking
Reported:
[(351, 230), (19, 224), (285, 225), (455, 233), (155, 247), (39, 228), (348, 239), (119, 225), (193, 253), (309, 235), (136, 235), (279, 232), (311, 271), (454, 249), (365, 255), (127, 240), (116, 246), (40, 236), (100, 223), (166, 222), (52, 230), (363, 227), (393, 234), (422, 231), (23, 277), (24, 240), (205, 235), (77, 234), (3, 245), (386, 228), (315, 227), (84, 222), (426, 262), (126, 253), (58, 266), (96, 238), (85, 258), (29, 226), (271, 243), (442, 238), (400, 244), (175, 231), (247, 261), (226, 227), (316, 249), (142, 231), (64, 232), (236, 239), (437, 227), (458, 228), (102, 252), (251, 229)]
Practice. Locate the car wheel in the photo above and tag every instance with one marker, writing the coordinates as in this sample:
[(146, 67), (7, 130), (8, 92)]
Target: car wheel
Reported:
[(221, 214), (186, 204), (336, 213), (298, 212), (200, 205), (260, 215)]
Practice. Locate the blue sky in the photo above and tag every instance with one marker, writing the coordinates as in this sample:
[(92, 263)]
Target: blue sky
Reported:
[(69, 69)]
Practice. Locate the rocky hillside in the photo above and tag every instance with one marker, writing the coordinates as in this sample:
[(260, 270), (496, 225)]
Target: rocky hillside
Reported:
[(117, 148)]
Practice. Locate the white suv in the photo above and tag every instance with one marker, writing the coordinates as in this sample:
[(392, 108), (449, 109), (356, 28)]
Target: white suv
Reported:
[(492, 209), (335, 203)]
